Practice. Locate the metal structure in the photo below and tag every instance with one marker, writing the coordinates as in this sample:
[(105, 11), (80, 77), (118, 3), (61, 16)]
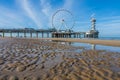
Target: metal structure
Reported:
[(63, 20), (93, 33)]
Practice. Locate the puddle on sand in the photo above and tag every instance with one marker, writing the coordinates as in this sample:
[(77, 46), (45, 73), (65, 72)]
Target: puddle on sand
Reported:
[(71, 48), (97, 47), (87, 46)]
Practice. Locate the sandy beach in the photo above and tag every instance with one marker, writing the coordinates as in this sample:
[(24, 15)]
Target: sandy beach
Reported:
[(43, 59)]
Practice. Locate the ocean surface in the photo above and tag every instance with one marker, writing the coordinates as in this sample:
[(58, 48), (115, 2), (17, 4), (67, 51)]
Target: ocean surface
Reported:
[(109, 38)]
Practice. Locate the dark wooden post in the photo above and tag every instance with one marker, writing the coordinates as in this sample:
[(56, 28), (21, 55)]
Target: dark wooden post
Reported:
[(25, 34), (79, 35), (42, 34), (18, 34), (61, 35), (47, 34), (84, 35), (30, 34), (11, 34), (3, 34), (37, 34), (52, 35), (70, 35), (74, 35)]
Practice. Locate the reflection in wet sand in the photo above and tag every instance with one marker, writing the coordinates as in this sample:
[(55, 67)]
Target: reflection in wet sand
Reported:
[(93, 46)]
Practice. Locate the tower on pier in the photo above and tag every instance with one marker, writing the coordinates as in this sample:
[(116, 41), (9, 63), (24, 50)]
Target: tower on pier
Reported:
[(93, 33)]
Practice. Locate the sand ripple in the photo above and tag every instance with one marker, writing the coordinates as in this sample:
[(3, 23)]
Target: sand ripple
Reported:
[(32, 59)]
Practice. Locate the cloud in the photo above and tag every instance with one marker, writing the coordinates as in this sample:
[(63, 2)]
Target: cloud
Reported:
[(109, 21), (110, 18), (30, 12), (11, 20), (40, 13), (47, 10), (68, 4), (46, 7), (109, 26)]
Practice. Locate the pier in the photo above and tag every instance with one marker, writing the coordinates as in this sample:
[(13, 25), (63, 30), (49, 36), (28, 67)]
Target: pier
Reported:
[(40, 32)]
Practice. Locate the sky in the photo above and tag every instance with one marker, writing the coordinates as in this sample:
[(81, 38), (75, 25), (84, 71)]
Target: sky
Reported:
[(38, 14)]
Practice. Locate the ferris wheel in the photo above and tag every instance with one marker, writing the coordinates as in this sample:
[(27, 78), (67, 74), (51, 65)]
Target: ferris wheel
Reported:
[(63, 20)]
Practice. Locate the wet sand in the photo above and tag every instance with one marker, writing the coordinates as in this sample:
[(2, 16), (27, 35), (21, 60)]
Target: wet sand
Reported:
[(41, 59), (91, 41)]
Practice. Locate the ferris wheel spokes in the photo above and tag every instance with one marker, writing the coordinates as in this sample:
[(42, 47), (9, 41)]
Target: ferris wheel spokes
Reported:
[(63, 25), (63, 20)]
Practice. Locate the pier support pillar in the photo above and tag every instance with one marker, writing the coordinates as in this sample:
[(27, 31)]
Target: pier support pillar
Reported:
[(47, 35), (25, 34), (84, 36), (74, 35), (58, 35), (37, 34), (79, 35), (69, 35), (18, 34), (30, 34), (11, 34), (65, 35), (53, 35), (42, 34), (62, 36), (3, 34)]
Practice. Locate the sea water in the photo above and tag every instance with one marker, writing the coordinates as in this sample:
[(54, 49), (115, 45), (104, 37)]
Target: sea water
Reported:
[(109, 38)]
